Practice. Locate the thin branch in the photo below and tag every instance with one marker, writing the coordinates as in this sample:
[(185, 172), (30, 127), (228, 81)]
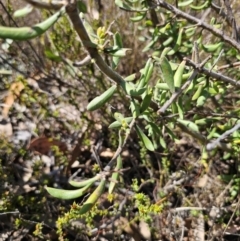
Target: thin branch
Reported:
[(214, 144), (232, 20), (91, 47), (217, 59), (227, 66), (200, 23), (202, 139), (199, 230), (219, 11), (183, 209), (231, 218), (178, 93), (120, 148), (187, 83), (209, 210), (153, 13), (83, 62), (13, 212), (213, 74), (73, 14), (96, 156)]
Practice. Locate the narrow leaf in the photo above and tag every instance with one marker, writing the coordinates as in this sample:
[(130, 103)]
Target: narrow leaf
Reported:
[(23, 12), (85, 182), (189, 124), (146, 141), (67, 194), (167, 73)]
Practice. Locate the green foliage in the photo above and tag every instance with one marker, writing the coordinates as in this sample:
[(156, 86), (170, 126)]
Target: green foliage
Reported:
[(26, 33), (179, 95)]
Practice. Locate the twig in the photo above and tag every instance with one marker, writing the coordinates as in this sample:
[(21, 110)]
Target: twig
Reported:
[(178, 93), (153, 13), (78, 25), (215, 62), (120, 148), (175, 185), (13, 212), (73, 14), (219, 11), (75, 174), (83, 62), (229, 66), (96, 156), (182, 209), (230, 220), (182, 232), (232, 20), (215, 143), (187, 83), (213, 74), (195, 53), (209, 210), (200, 23), (201, 138)]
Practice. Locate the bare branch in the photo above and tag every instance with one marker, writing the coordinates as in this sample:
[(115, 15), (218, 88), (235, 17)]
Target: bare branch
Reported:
[(227, 66), (216, 143)]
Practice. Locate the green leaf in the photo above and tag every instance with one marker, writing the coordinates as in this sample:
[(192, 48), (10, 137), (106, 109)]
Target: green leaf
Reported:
[(67, 194), (162, 86), (202, 98), (184, 4), (130, 89), (155, 128), (92, 199), (149, 45), (178, 74), (101, 100), (122, 5), (115, 62), (167, 73), (135, 108), (115, 175), (23, 12), (50, 55), (162, 142), (81, 6), (117, 124), (120, 52), (180, 107), (85, 182), (170, 133), (139, 17), (189, 124), (117, 40), (146, 141)]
